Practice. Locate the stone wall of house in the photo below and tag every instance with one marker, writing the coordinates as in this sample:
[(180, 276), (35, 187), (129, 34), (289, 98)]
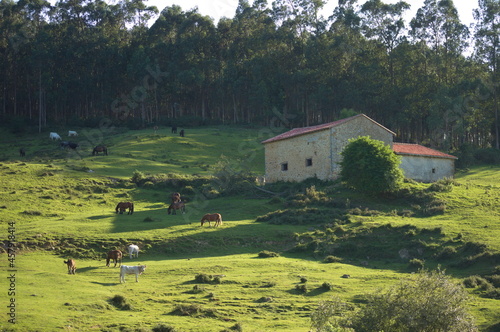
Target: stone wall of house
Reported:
[(317, 154), (427, 169), (305, 156)]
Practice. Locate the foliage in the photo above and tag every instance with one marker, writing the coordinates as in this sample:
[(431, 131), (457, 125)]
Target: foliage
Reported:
[(370, 166), (267, 254), (426, 301)]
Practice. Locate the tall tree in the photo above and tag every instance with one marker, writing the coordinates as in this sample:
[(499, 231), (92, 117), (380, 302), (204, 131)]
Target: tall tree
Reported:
[(487, 40)]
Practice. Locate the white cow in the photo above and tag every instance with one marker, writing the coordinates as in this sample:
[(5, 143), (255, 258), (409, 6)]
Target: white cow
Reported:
[(54, 136), (133, 251), (72, 133), (125, 269)]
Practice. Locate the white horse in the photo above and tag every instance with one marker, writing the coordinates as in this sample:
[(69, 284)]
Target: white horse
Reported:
[(133, 251)]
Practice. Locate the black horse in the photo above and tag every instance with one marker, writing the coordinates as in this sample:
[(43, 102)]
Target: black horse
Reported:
[(22, 152), (181, 133), (70, 145), (174, 129), (100, 148)]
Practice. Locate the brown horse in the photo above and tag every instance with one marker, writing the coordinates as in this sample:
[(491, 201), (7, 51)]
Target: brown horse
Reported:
[(124, 206), (176, 206), (212, 217), (176, 197), (116, 256), (100, 148)]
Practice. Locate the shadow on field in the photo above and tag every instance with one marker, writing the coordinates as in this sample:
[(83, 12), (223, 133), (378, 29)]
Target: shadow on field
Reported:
[(144, 220), (86, 269), (105, 283)]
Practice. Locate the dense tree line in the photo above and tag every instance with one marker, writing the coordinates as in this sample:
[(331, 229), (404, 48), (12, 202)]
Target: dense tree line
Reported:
[(432, 80)]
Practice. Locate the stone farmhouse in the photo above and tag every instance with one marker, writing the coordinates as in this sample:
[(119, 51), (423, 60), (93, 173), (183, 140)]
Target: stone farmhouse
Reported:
[(314, 151)]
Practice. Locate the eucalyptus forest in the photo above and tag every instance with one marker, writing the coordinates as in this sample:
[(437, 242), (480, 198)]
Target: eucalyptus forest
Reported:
[(430, 79)]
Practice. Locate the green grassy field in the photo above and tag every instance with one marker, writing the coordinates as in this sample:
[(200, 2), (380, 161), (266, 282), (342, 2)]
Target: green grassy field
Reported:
[(60, 204)]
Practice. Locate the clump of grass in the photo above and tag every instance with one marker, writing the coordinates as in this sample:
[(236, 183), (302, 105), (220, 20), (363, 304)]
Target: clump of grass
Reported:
[(120, 302), (265, 299), (164, 328), (148, 219), (196, 290), (303, 279), (193, 310), (327, 286), (203, 278), (332, 259), (32, 212), (267, 254), (301, 288), (269, 284)]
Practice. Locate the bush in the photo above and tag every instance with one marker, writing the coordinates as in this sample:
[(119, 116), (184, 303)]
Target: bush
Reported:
[(120, 302), (301, 288), (332, 259), (203, 278), (370, 166), (164, 328), (266, 254), (416, 263), (426, 301), (327, 286)]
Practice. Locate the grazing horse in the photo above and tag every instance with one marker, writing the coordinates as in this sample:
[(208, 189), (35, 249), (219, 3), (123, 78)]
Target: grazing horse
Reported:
[(181, 133), (176, 206), (212, 217), (100, 148), (71, 266), (122, 206), (116, 256)]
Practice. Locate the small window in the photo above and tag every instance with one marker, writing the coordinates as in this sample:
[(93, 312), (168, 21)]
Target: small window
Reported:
[(309, 162), (433, 170), (284, 167)]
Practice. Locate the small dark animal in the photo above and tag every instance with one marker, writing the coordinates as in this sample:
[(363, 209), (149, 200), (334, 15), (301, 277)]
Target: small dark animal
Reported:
[(212, 217), (22, 152), (123, 206), (176, 206), (174, 129), (70, 145), (71, 266), (100, 148), (116, 256), (181, 133)]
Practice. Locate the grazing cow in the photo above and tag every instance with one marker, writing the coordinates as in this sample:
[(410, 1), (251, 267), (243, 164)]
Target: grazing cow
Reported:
[(54, 136), (22, 152), (124, 269), (133, 251), (181, 133), (72, 133), (71, 266), (116, 256), (174, 129)]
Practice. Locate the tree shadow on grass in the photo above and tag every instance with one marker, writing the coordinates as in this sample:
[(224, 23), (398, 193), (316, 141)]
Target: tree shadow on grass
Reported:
[(86, 269)]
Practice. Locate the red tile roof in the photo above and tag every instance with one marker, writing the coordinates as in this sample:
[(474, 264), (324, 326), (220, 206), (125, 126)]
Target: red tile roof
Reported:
[(419, 150), (306, 130)]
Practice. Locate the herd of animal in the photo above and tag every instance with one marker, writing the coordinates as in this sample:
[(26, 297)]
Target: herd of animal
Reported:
[(116, 256)]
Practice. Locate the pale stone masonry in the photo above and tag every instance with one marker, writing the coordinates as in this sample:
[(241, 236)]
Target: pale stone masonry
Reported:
[(310, 152)]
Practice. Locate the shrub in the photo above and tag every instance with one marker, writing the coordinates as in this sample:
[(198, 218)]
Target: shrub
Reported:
[(426, 301), (370, 166), (120, 302), (266, 254), (474, 281), (332, 259)]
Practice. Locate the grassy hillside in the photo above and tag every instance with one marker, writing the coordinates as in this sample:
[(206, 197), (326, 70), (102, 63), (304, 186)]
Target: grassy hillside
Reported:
[(60, 204)]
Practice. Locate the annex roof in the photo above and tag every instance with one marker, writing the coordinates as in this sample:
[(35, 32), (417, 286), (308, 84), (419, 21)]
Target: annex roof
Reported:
[(419, 150), (306, 130)]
